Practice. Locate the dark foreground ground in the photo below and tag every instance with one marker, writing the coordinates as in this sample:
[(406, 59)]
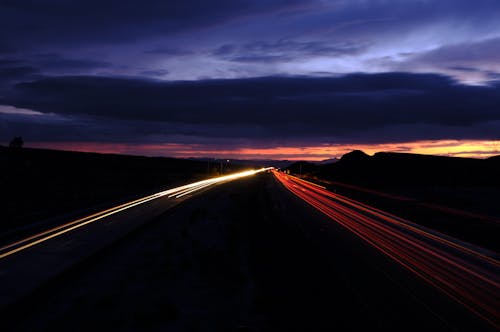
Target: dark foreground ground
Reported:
[(244, 256), (40, 188)]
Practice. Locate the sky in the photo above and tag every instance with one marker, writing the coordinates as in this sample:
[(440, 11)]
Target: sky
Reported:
[(250, 79)]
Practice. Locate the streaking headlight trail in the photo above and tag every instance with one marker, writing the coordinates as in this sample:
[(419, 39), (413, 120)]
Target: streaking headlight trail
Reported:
[(177, 192)]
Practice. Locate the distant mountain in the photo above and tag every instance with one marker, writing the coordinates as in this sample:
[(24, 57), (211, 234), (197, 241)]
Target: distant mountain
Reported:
[(327, 161), (494, 159), (354, 156), (386, 169), (392, 169)]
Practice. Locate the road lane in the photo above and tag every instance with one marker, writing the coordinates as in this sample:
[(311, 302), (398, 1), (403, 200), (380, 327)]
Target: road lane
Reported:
[(35, 260), (468, 274), (177, 192), (248, 255)]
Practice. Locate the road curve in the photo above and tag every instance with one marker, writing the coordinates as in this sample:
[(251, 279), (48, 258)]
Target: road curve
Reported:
[(466, 273)]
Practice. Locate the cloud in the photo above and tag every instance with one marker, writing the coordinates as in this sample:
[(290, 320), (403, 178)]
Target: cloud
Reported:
[(242, 38), (29, 65), (471, 62), (270, 110), (13, 71), (485, 51), (285, 50), (154, 72), (52, 61), (8, 73), (77, 22), (169, 51), (72, 64), (17, 111)]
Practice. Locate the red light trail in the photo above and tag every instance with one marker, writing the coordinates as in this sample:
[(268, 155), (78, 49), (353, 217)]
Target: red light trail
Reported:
[(466, 273)]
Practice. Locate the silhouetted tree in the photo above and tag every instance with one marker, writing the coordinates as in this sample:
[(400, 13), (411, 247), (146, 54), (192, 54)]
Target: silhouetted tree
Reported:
[(16, 143)]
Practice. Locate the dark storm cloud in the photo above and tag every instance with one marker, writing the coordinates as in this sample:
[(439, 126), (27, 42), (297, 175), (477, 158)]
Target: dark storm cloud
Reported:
[(155, 72), (20, 67), (71, 22), (28, 66), (56, 128), (12, 67), (169, 51), (124, 20), (351, 108), (284, 50), (14, 70), (8, 73), (10, 62), (53, 61)]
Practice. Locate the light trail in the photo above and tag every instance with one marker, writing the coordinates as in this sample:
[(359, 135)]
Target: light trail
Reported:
[(177, 192), (468, 274)]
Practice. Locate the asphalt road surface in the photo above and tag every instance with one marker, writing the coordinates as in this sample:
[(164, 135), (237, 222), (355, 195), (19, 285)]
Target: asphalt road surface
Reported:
[(248, 255), (467, 273)]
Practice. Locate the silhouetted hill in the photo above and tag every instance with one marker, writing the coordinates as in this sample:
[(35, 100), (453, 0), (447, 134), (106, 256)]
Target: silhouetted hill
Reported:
[(327, 161), (353, 157), (387, 169), (494, 159)]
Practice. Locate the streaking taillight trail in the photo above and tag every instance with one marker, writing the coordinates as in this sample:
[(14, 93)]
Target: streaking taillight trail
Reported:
[(466, 273)]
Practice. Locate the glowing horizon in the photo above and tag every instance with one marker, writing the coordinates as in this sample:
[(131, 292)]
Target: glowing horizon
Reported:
[(452, 148)]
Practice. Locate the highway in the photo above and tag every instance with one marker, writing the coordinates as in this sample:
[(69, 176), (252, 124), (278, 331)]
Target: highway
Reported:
[(268, 252), (468, 274), (27, 264), (176, 193)]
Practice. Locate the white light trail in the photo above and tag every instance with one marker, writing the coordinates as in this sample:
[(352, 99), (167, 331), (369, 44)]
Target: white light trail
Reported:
[(62, 229)]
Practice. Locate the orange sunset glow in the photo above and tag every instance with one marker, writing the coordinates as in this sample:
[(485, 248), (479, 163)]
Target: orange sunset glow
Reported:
[(454, 148)]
